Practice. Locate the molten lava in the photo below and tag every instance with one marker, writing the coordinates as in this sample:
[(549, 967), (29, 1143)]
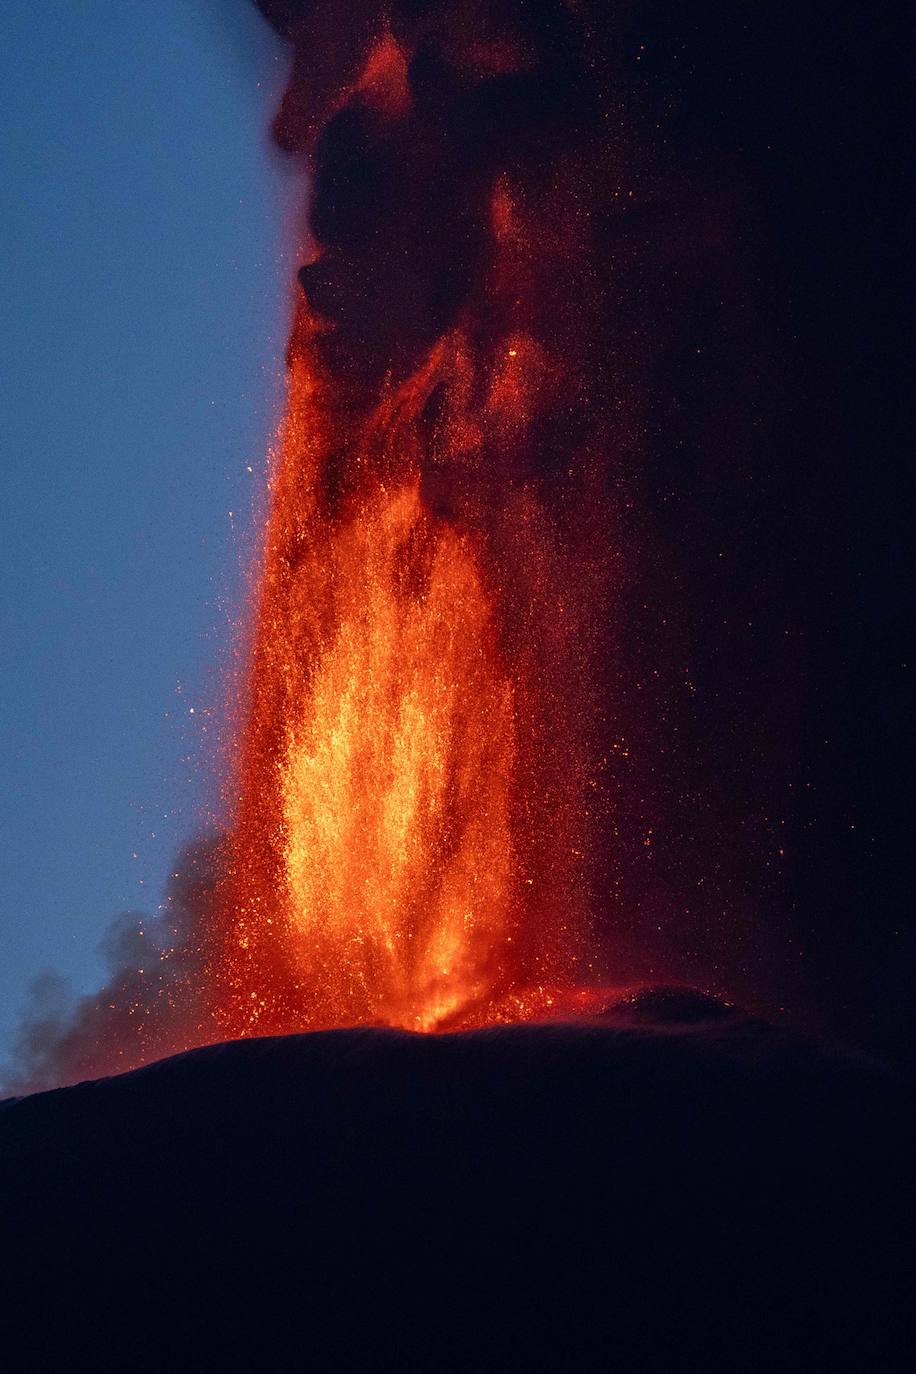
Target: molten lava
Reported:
[(392, 860), (398, 845)]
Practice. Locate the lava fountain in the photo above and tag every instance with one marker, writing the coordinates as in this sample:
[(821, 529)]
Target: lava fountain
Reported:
[(409, 837), (414, 783)]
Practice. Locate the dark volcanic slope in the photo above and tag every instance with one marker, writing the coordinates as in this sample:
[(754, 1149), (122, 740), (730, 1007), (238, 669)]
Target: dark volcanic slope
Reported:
[(707, 1196)]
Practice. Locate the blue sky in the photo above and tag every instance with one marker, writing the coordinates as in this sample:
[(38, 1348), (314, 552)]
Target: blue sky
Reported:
[(143, 312)]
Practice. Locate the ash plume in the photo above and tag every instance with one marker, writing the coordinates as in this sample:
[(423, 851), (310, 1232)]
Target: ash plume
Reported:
[(155, 1001)]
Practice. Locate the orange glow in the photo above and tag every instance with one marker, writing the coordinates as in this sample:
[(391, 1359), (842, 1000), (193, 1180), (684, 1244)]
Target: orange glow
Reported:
[(398, 852), (383, 82), (406, 849)]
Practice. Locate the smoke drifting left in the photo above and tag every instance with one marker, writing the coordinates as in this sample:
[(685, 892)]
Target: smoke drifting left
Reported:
[(153, 1003)]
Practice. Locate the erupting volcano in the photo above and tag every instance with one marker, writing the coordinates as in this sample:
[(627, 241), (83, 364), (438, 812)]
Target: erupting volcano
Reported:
[(536, 724), (541, 686)]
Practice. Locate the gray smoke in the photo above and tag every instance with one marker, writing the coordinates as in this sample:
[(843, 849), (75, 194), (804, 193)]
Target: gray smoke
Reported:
[(154, 1000)]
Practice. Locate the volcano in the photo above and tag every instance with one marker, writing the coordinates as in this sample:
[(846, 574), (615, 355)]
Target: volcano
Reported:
[(668, 1186)]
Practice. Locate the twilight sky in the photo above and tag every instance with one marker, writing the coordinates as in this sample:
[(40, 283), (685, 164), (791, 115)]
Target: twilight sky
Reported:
[(143, 292)]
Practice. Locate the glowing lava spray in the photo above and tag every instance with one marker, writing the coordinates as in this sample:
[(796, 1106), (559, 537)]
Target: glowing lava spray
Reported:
[(411, 805), (406, 848)]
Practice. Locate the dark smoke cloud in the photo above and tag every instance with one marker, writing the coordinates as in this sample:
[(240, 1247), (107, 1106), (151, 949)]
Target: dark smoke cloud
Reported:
[(154, 1002), (400, 207)]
